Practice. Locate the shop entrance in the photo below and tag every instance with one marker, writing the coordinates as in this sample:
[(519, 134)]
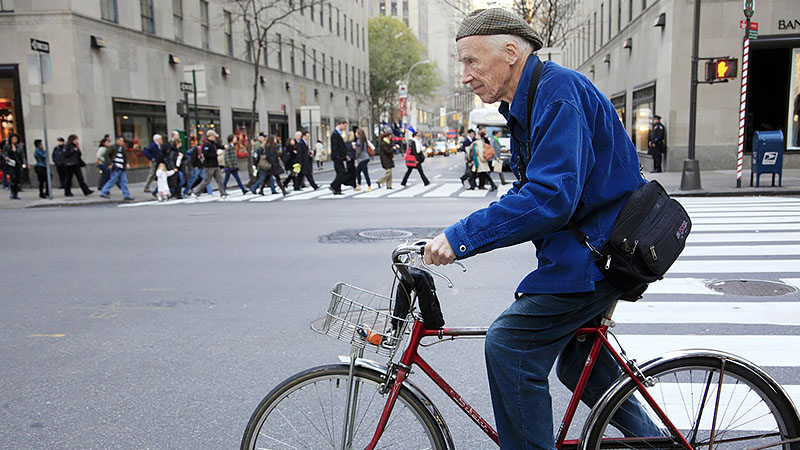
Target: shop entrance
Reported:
[(772, 97)]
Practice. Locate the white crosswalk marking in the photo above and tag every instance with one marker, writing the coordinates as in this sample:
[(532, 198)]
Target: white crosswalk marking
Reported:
[(477, 193), (445, 190), (308, 194), (376, 193), (748, 313), (413, 191)]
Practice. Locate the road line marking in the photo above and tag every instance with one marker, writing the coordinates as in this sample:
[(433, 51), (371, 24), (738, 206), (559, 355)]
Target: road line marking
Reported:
[(56, 335), (743, 220), (445, 190), (793, 282), (477, 193), (412, 191), (266, 198), (135, 205), (773, 350), (375, 193), (345, 194), (718, 238), (748, 227), (741, 313), (308, 195), (674, 286), (741, 250), (737, 266), (739, 214), (503, 189)]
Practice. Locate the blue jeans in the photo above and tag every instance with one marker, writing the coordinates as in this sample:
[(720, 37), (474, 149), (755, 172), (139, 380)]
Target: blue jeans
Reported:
[(235, 173), (362, 167), (521, 348), (261, 179), (119, 178), (196, 173)]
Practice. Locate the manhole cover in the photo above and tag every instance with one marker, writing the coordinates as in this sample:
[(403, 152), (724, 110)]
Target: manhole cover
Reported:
[(758, 288), (385, 234)]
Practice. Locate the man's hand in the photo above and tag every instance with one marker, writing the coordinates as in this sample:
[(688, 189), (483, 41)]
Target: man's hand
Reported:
[(439, 252)]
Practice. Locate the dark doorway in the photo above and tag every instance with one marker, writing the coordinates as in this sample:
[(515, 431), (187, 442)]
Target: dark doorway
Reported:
[(768, 88)]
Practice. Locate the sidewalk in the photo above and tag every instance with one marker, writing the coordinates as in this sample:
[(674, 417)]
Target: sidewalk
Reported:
[(715, 183)]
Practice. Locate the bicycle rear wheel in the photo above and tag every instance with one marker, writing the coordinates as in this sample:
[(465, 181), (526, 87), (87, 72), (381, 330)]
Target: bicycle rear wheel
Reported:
[(307, 412), (714, 401)]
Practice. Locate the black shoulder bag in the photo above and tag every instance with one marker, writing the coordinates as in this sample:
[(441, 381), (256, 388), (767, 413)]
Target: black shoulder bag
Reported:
[(647, 237)]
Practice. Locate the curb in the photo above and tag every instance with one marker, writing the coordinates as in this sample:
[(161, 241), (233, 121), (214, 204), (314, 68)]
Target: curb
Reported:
[(737, 192)]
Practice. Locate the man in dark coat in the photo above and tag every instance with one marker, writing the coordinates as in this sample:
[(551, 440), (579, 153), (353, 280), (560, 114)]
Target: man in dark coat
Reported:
[(657, 143), (339, 157), (58, 160), (210, 165), (306, 161), (466, 147), (153, 152)]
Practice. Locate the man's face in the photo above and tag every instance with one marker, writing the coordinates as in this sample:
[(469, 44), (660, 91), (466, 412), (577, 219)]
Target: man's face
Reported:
[(212, 137), (121, 142), (486, 69), (472, 135), (342, 126)]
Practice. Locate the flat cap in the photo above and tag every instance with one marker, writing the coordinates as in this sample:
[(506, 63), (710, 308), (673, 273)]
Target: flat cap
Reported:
[(497, 21)]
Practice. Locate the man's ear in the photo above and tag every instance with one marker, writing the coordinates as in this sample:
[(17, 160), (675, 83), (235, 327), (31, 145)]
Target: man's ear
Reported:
[(511, 52)]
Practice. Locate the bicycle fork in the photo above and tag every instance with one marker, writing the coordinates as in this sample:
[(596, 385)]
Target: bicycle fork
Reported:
[(352, 400)]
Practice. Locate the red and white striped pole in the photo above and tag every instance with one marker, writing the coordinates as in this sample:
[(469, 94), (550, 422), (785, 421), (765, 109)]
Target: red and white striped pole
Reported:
[(743, 104)]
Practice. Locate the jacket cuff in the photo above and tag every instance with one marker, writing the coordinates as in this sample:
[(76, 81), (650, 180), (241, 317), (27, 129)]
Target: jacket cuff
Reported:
[(459, 242)]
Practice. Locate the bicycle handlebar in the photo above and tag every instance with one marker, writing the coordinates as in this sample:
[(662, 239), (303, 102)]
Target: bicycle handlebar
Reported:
[(418, 248)]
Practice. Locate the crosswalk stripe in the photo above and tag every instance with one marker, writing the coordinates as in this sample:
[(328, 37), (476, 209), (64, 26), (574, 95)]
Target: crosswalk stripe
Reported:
[(413, 190), (376, 193), (718, 238), (503, 189), (741, 250), (266, 198), (729, 213), (477, 193), (344, 194), (308, 195), (736, 266), (745, 313), (674, 286), (763, 350), (743, 220), (747, 227), (445, 190), (734, 200), (241, 197)]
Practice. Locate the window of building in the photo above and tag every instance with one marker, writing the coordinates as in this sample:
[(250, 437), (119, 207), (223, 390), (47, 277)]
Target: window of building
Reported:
[(619, 105), (338, 29), (643, 106), (311, 11), (358, 37), (345, 27), (346, 76), (405, 10), (227, 29), (248, 41), (382, 7), (609, 19), (330, 18), (108, 9), (331, 69), (619, 15), (137, 123), (324, 73), (793, 127), (594, 33), (602, 12), (644, 5), (305, 74), (363, 40), (351, 31), (302, 8), (204, 23), (266, 52), (394, 9), (321, 19), (340, 72), (177, 19), (291, 55), (353, 77), (280, 52), (630, 10), (314, 63), (148, 18)]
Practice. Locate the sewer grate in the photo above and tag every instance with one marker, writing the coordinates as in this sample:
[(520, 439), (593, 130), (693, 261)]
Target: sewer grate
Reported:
[(410, 234), (757, 288)]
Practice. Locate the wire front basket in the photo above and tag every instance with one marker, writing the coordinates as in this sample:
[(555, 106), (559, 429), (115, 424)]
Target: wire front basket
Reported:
[(364, 320)]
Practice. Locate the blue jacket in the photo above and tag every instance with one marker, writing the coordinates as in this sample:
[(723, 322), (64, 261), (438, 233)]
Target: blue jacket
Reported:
[(583, 166), (153, 152)]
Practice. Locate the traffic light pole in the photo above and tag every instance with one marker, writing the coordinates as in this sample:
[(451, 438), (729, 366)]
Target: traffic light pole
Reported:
[(743, 102), (690, 178)]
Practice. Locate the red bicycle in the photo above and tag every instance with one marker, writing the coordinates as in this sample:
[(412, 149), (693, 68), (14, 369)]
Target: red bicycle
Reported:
[(694, 398)]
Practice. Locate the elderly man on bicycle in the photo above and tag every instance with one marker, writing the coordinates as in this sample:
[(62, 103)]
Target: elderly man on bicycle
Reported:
[(574, 163)]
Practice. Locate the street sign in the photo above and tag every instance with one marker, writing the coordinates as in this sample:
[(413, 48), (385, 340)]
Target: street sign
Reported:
[(442, 117), (753, 25), (403, 105), (749, 7), (40, 46), (752, 34), (403, 90), (186, 86)]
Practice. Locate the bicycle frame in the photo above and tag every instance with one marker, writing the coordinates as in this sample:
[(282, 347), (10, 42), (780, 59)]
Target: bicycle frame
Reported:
[(411, 357)]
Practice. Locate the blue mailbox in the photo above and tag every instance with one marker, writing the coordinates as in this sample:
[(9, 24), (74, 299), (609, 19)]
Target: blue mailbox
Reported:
[(767, 155)]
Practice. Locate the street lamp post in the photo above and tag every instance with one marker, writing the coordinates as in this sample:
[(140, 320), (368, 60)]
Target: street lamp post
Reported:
[(408, 80)]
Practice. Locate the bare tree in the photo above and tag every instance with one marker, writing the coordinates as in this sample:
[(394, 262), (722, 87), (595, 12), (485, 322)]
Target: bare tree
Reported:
[(552, 19)]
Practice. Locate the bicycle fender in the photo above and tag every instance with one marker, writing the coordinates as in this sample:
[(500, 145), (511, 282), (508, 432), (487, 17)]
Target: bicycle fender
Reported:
[(432, 409), (623, 381)]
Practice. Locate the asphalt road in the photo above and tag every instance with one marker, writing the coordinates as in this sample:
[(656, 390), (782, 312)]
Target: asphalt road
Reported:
[(163, 327)]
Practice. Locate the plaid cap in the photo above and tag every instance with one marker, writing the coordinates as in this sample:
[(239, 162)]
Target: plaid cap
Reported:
[(497, 21)]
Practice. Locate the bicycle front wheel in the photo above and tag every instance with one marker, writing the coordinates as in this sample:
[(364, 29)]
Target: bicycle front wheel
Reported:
[(307, 411), (714, 402)]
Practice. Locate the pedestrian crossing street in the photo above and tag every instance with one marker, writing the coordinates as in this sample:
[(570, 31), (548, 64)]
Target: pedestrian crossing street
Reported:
[(732, 238), (436, 189)]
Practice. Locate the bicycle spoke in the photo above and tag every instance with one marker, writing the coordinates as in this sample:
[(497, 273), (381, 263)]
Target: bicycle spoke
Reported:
[(322, 408)]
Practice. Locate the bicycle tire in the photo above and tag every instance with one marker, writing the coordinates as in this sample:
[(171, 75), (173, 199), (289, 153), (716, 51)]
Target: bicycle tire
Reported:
[(759, 421), (334, 377)]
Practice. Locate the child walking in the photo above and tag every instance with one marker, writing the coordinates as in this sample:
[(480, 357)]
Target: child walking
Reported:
[(162, 174)]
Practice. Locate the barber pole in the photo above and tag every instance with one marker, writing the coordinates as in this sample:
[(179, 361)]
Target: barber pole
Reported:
[(742, 107)]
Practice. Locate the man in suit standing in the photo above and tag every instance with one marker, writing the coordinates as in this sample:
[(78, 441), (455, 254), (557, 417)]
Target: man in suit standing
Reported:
[(339, 157), (305, 159)]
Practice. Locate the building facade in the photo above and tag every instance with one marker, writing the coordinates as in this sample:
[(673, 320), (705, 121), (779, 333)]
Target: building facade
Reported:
[(117, 69), (638, 52)]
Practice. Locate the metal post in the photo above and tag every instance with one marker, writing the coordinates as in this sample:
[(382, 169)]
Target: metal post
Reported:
[(186, 122), (690, 179), (743, 104), (196, 116), (44, 129)]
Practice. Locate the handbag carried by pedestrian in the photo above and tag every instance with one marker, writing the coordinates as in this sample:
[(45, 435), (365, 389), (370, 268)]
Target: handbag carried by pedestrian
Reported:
[(264, 164)]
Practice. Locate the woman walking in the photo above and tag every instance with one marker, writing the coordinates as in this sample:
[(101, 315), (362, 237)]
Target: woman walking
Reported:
[(480, 163), (320, 154), (362, 159), (14, 160), (289, 157), (268, 168), (387, 158), (414, 157), (231, 163), (74, 162), (40, 155)]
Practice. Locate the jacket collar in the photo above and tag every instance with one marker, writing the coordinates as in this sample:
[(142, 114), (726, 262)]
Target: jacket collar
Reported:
[(519, 104)]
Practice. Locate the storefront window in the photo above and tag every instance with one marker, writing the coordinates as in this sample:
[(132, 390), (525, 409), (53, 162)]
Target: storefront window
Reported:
[(619, 105), (137, 123), (644, 102), (793, 127), (8, 109), (242, 121)]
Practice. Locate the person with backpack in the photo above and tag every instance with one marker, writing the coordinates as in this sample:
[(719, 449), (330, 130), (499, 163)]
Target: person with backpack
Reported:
[(481, 153), (414, 156), (575, 164), (495, 163)]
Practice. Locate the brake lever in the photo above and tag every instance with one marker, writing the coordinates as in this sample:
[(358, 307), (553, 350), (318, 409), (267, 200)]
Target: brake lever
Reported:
[(443, 276)]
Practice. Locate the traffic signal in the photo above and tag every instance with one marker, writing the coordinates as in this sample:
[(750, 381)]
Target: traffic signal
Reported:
[(721, 69)]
